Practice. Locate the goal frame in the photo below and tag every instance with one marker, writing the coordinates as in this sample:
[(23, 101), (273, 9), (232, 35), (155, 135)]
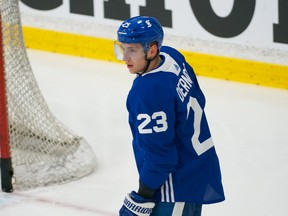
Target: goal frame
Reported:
[(36, 149)]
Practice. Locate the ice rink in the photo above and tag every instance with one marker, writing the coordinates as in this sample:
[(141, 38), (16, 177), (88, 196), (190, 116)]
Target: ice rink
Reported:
[(249, 125)]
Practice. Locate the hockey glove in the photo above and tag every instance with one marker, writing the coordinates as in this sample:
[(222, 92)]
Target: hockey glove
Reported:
[(136, 205)]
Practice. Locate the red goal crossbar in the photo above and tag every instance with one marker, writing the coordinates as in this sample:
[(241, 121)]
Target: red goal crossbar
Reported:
[(6, 166)]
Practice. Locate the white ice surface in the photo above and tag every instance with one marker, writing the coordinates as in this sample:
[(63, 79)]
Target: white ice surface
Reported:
[(248, 123)]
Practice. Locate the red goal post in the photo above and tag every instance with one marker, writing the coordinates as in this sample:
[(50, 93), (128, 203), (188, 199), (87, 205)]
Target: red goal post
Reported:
[(6, 168)]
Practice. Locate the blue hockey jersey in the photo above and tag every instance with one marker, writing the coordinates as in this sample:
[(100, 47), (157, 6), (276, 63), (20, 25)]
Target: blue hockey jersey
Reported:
[(172, 143)]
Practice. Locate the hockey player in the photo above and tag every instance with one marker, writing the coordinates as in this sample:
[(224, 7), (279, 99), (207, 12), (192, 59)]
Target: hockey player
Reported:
[(174, 152)]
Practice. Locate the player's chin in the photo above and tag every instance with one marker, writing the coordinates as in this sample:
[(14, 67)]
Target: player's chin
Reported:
[(132, 72)]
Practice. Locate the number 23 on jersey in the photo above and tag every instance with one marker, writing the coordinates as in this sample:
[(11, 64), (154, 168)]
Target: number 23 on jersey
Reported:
[(161, 125)]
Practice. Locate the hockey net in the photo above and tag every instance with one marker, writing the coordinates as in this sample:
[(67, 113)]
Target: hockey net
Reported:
[(36, 149)]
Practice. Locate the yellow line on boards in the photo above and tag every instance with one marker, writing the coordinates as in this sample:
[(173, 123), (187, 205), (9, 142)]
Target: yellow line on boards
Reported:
[(240, 70)]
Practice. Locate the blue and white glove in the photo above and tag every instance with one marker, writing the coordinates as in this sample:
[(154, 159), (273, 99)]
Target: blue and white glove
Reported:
[(136, 205)]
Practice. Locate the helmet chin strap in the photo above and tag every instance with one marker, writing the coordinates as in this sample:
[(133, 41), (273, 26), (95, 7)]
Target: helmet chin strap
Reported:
[(148, 62)]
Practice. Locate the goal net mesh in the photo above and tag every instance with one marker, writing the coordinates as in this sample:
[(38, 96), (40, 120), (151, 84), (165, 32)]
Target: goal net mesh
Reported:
[(43, 151)]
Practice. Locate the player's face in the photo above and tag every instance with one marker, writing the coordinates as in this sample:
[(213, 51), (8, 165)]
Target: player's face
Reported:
[(133, 55)]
